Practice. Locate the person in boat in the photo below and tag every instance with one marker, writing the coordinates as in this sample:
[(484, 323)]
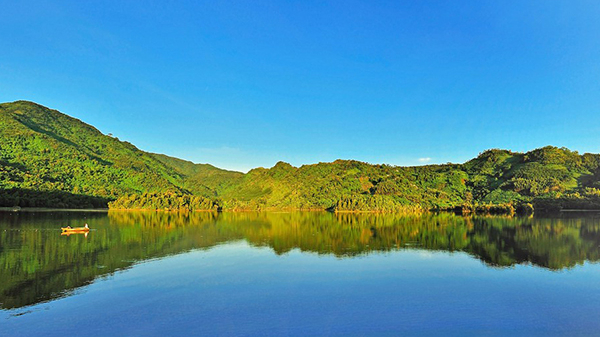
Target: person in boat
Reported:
[(69, 227), (86, 226)]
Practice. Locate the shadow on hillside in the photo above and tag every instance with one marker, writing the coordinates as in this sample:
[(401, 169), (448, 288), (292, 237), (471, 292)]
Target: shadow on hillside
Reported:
[(51, 199)]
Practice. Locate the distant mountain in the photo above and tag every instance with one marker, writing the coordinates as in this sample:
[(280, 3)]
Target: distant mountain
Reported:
[(53, 160), (202, 179), (548, 177)]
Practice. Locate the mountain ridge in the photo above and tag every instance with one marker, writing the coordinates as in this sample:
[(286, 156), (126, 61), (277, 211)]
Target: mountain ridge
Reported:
[(46, 152)]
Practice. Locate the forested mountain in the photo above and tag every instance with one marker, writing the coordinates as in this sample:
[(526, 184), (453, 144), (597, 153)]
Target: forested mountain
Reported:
[(50, 159), (497, 180), (43, 150)]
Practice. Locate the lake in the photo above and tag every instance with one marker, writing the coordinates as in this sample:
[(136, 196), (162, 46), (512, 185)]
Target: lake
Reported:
[(310, 273)]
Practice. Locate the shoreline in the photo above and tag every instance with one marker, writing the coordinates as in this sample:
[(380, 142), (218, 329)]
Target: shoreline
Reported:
[(46, 209), (106, 210)]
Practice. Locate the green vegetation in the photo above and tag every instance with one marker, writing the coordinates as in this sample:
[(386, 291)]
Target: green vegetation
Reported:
[(44, 153), (164, 201), (52, 160)]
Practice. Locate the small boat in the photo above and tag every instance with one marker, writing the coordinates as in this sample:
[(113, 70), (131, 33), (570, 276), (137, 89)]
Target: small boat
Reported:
[(70, 229), (68, 233)]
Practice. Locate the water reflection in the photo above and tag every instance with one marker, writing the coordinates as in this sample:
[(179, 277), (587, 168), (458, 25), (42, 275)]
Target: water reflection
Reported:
[(38, 264)]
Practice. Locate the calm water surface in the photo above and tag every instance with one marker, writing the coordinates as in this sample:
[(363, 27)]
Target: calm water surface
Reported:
[(298, 274)]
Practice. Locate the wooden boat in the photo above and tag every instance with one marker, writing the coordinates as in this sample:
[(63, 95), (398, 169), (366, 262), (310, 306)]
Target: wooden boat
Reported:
[(75, 233), (70, 229)]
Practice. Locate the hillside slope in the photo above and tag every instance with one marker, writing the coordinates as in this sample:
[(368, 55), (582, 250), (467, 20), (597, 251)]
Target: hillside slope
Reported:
[(201, 179), (43, 150), (548, 177)]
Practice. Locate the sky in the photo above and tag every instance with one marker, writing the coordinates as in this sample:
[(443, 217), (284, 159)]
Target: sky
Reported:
[(244, 84)]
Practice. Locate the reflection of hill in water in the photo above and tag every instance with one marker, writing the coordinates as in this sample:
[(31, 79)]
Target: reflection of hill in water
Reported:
[(37, 264)]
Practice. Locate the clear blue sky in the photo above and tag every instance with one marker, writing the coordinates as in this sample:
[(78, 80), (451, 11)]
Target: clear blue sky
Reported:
[(243, 84)]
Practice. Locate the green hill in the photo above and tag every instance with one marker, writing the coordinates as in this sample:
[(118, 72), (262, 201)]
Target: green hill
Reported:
[(549, 178), (544, 176), (43, 151), (201, 179), (52, 160), (348, 185)]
